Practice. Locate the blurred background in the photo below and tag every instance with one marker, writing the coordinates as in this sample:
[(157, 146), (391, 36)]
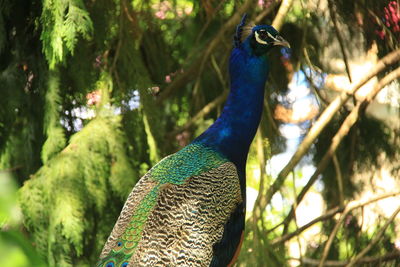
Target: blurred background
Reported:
[(95, 92)]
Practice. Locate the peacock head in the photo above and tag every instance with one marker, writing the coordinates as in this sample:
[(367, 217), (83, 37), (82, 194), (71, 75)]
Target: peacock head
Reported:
[(258, 38)]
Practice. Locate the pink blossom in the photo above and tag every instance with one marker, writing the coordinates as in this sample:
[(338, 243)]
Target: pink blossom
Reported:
[(93, 98), (160, 14)]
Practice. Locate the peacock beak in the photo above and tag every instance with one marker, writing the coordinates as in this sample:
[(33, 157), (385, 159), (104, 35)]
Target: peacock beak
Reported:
[(280, 41)]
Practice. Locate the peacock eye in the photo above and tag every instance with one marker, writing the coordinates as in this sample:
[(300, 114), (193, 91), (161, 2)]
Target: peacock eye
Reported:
[(262, 34)]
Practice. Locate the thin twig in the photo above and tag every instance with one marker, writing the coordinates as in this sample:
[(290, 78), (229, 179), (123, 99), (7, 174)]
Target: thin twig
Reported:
[(119, 43), (266, 11), (218, 71), (203, 112), (329, 214), (12, 169), (210, 106), (351, 206), (271, 120), (323, 101), (295, 214), (375, 240), (339, 178), (257, 212), (208, 21), (332, 236), (340, 38), (128, 15)]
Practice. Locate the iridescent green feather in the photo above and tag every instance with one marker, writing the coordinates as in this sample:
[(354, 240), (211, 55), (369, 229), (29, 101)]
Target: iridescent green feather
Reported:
[(188, 162), (175, 169)]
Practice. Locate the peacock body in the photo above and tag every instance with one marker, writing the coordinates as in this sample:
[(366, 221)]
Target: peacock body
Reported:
[(189, 209)]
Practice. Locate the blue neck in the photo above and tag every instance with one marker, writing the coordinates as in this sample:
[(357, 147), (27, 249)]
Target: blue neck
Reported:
[(232, 133)]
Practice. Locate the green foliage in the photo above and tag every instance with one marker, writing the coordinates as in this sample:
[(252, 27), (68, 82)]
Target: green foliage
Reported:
[(55, 53), (256, 250), (9, 212), (2, 34), (55, 133), (63, 22), (64, 200), (15, 249)]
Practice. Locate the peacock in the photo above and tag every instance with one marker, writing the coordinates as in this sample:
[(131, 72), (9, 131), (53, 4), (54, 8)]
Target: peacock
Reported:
[(189, 209)]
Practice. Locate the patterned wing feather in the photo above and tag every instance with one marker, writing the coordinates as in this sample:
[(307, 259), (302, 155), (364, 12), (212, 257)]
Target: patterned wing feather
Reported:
[(118, 247), (189, 219), (175, 217)]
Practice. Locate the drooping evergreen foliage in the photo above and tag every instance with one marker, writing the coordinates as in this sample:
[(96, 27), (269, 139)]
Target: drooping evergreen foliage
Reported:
[(55, 141), (63, 22), (94, 93), (68, 200)]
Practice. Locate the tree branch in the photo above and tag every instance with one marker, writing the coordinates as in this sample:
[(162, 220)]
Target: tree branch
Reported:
[(352, 205), (377, 237), (343, 131), (325, 118), (197, 66), (340, 38), (203, 112), (266, 11), (298, 231), (339, 179), (283, 10), (257, 212), (367, 260)]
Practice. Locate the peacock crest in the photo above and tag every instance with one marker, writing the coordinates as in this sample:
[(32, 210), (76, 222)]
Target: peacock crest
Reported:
[(242, 31)]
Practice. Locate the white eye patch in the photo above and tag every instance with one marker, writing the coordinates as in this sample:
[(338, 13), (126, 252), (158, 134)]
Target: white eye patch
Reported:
[(259, 40), (272, 37)]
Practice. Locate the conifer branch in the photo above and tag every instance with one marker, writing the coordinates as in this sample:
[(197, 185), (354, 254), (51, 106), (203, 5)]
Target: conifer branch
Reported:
[(55, 140)]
